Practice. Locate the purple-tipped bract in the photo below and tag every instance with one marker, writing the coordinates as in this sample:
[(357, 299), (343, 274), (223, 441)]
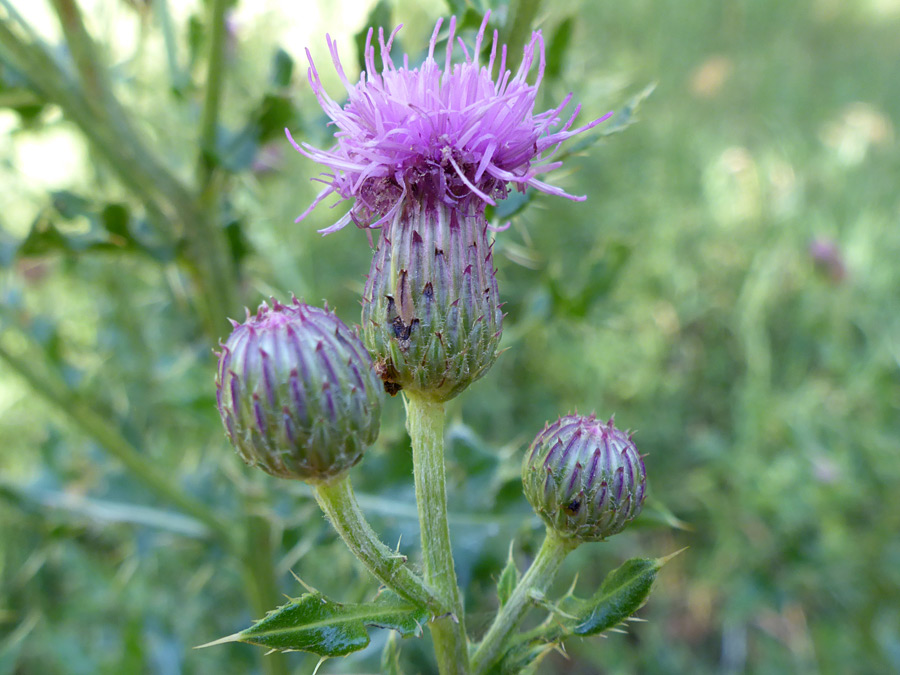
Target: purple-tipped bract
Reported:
[(584, 478), (431, 309), (297, 392), (455, 134)]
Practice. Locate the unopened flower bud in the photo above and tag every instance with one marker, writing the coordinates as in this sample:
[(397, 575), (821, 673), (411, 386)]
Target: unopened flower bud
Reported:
[(584, 478), (297, 392), (431, 311)]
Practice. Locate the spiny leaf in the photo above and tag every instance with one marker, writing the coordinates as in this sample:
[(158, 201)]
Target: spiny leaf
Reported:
[(313, 623), (622, 593), (625, 117), (509, 579)]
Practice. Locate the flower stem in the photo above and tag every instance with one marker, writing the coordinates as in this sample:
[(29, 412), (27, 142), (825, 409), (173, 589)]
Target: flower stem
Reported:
[(536, 580), (339, 503), (425, 423)]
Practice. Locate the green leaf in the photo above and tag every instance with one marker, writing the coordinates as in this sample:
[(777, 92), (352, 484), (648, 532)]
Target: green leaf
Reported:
[(379, 17), (71, 505), (458, 7), (522, 658), (70, 205), (117, 221), (274, 113), (559, 45), (509, 579), (282, 68), (236, 150), (625, 117), (196, 34), (621, 120), (313, 623), (622, 593), (16, 94), (8, 247), (75, 224), (238, 243)]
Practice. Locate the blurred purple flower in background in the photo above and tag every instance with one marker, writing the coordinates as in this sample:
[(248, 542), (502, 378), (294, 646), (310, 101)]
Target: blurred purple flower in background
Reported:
[(827, 257), (451, 135)]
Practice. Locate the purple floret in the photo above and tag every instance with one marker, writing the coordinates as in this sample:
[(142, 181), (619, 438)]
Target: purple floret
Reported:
[(453, 134)]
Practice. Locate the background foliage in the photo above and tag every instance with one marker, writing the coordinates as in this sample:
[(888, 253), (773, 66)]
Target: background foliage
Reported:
[(730, 290)]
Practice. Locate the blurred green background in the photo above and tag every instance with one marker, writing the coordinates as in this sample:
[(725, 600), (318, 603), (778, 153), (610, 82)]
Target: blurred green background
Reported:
[(730, 290)]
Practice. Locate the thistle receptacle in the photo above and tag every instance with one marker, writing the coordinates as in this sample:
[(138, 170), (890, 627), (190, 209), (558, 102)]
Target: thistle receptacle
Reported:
[(431, 310)]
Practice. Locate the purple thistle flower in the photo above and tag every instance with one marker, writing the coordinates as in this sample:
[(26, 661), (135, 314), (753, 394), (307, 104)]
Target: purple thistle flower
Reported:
[(451, 135)]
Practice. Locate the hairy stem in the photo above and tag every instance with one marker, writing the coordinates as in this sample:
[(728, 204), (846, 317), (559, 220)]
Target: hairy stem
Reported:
[(339, 503), (536, 580), (425, 423)]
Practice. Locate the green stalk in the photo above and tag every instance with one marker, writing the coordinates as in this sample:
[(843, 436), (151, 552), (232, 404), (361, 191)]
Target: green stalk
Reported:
[(260, 582), (107, 126), (425, 423), (81, 47), (206, 239), (96, 426), (213, 94), (339, 503), (209, 251), (536, 581)]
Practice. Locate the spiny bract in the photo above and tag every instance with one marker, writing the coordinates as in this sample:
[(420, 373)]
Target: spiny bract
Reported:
[(584, 478), (297, 392), (431, 309)]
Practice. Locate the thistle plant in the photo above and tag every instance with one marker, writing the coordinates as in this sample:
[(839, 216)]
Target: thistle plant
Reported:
[(422, 151)]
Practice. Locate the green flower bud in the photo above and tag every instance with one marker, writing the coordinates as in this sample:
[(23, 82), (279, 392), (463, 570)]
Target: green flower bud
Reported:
[(431, 312), (297, 392), (584, 478)]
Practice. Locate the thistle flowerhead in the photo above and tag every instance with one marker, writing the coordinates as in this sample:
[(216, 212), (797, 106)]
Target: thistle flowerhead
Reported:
[(297, 393), (456, 135), (584, 478), (431, 309)]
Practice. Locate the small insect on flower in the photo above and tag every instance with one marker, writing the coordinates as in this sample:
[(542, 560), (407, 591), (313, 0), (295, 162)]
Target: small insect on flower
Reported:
[(455, 136)]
